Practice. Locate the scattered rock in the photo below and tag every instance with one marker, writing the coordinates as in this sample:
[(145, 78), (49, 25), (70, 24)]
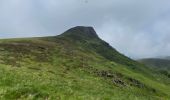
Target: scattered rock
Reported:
[(104, 74), (119, 82), (134, 82), (110, 75)]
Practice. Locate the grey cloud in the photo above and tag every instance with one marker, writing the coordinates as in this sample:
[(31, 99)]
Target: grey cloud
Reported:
[(137, 28)]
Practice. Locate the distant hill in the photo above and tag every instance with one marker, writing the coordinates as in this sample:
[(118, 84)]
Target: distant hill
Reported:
[(167, 57), (160, 63), (76, 65)]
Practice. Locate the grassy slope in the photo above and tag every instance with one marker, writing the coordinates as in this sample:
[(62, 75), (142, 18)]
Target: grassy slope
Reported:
[(62, 68)]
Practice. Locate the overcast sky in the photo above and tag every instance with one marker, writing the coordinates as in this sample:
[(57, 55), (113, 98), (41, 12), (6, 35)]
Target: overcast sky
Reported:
[(136, 28)]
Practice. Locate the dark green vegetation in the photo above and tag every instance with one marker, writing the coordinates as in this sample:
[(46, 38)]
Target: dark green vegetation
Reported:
[(162, 65), (75, 65), (167, 57), (159, 63)]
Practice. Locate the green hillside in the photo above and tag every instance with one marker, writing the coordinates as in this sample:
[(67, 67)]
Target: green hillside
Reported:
[(167, 58), (76, 65), (157, 63), (162, 65)]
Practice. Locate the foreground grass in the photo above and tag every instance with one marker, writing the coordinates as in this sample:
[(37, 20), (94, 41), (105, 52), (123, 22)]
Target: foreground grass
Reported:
[(26, 83)]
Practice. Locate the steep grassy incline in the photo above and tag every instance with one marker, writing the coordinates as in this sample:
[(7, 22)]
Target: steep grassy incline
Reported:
[(87, 38), (74, 65)]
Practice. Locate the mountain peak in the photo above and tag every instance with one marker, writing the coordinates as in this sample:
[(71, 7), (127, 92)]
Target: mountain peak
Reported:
[(81, 32)]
